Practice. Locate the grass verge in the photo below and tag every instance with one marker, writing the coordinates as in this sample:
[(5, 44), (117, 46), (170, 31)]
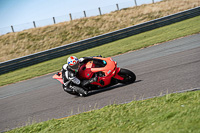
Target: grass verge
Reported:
[(174, 113), (163, 34)]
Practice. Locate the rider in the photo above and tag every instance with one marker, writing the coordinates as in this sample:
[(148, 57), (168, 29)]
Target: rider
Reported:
[(70, 71)]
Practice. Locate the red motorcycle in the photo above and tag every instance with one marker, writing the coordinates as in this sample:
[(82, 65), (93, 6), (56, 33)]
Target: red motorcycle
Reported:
[(108, 75)]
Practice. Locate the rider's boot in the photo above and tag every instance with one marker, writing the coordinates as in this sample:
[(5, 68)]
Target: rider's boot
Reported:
[(86, 82), (79, 90)]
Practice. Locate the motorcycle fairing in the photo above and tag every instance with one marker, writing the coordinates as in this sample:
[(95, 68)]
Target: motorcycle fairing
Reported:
[(110, 70), (58, 76), (87, 70)]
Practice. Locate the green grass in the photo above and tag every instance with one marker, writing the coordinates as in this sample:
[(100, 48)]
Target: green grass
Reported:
[(180, 29), (173, 113)]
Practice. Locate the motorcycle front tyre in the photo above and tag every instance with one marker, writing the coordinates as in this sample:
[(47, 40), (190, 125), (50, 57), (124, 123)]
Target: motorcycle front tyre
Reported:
[(129, 76)]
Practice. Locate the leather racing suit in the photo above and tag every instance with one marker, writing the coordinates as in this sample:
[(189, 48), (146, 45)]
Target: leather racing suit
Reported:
[(72, 84)]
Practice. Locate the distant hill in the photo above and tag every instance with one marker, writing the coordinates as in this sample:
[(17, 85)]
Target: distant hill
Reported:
[(14, 45)]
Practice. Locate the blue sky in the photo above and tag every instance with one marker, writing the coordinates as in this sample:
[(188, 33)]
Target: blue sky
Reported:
[(17, 12)]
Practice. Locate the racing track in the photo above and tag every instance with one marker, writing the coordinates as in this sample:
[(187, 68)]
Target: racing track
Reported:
[(161, 69)]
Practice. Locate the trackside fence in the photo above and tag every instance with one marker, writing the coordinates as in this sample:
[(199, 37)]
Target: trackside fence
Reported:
[(32, 59), (74, 15)]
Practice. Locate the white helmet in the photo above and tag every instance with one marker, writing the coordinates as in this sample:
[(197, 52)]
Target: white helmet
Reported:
[(73, 63)]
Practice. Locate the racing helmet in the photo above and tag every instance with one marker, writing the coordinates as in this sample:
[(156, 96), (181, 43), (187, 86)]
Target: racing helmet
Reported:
[(73, 63)]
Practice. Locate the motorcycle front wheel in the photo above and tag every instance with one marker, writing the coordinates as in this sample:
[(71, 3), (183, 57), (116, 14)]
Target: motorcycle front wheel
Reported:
[(129, 76)]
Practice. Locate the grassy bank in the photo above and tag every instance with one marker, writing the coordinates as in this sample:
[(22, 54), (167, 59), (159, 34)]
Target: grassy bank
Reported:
[(30, 41), (174, 113), (180, 29)]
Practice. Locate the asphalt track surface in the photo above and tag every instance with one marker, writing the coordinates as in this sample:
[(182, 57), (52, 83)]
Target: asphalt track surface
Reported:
[(161, 69)]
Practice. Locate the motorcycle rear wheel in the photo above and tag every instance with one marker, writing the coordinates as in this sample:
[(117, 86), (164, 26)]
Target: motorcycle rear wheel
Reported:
[(129, 76)]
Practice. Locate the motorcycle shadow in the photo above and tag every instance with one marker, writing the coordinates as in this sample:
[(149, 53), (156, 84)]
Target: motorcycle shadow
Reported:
[(94, 92)]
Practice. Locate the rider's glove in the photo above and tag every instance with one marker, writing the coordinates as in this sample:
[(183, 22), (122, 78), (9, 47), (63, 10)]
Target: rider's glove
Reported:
[(99, 56), (81, 59)]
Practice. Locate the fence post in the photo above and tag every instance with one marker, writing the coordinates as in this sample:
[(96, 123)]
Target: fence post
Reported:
[(100, 11), (117, 7), (153, 1), (34, 24), (12, 28), (135, 3), (70, 15), (84, 14), (54, 20)]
